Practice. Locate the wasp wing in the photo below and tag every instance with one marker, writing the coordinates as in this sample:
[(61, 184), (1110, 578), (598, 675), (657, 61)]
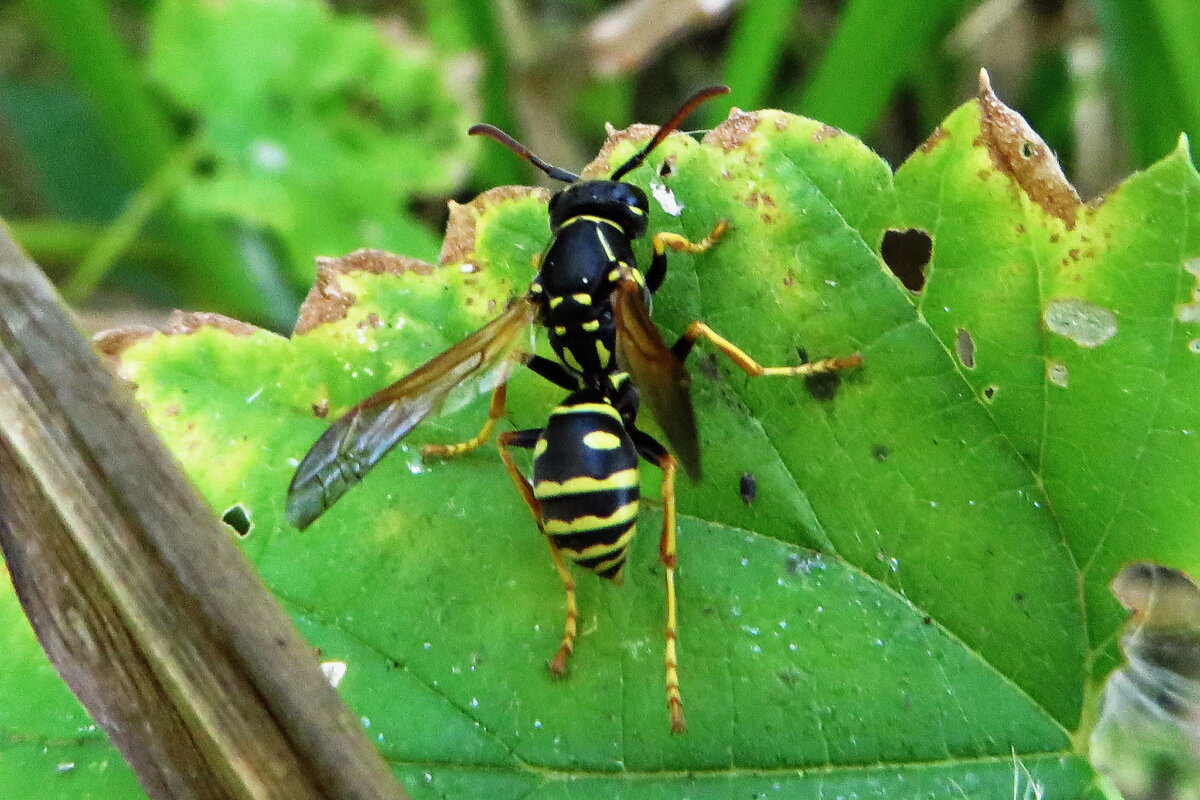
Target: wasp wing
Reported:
[(661, 379), (358, 439)]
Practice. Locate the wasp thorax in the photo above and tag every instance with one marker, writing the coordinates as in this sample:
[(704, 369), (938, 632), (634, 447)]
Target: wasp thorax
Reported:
[(620, 202)]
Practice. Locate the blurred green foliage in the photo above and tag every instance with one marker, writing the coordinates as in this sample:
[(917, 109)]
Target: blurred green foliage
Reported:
[(201, 154)]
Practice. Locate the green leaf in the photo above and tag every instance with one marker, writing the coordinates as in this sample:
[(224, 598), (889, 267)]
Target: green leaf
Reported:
[(320, 130), (913, 603), (1083, 323), (49, 747)]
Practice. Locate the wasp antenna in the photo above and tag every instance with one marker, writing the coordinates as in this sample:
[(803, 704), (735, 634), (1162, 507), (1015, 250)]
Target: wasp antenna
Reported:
[(492, 132), (674, 122)]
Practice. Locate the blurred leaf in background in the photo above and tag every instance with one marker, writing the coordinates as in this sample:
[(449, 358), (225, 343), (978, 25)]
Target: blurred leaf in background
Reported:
[(317, 129)]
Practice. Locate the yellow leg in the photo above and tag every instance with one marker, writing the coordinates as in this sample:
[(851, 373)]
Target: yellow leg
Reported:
[(664, 240), (495, 412), (557, 665), (751, 367), (666, 552)]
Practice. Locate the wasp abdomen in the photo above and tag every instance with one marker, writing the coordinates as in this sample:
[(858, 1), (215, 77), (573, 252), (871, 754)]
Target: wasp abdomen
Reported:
[(585, 477)]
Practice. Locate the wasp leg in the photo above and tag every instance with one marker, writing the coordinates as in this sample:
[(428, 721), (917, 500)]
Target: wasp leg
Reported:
[(527, 439), (554, 372), (663, 240), (751, 367), (655, 453), (495, 412)]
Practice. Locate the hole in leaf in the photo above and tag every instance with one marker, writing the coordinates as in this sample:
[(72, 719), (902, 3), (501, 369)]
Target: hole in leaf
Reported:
[(236, 517), (965, 346), (989, 393), (906, 254), (880, 452), (665, 169)]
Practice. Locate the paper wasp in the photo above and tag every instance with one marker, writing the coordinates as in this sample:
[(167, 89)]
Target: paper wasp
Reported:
[(593, 300)]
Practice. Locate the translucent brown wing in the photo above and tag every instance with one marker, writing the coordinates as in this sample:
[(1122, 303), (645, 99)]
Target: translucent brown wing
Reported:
[(661, 379), (358, 439)]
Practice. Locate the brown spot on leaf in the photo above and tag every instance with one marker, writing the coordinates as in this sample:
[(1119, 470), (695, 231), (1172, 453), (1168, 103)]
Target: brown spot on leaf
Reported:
[(938, 136), (112, 343), (327, 301), (1017, 151), (759, 199), (183, 323), (601, 166), (320, 408), (736, 129), (964, 345), (459, 245), (826, 132)]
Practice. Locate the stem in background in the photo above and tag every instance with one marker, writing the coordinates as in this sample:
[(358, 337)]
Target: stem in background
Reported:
[(754, 52), (871, 53), (482, 21), (143, 602), (117, 238), (1177, 23)]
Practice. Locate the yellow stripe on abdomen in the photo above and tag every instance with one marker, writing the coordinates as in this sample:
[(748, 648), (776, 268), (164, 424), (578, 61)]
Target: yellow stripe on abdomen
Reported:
[(588, 522), (623, 479)]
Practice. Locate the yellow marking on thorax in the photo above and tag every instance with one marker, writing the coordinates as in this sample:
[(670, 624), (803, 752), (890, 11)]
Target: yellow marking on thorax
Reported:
[(602, 440), (623, 479), (571, 361), (589, 408), (608, 251), (556, 301), (592, 218), (539, 448), (590, 522), (583, 298), (591, 325)]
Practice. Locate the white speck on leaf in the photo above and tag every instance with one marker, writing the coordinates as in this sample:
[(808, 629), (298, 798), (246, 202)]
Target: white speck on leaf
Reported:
[(333, 671), (1058, 374), (666, 199)]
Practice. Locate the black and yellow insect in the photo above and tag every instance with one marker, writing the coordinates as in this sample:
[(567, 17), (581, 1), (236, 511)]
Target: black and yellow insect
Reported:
[(593, 300)]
